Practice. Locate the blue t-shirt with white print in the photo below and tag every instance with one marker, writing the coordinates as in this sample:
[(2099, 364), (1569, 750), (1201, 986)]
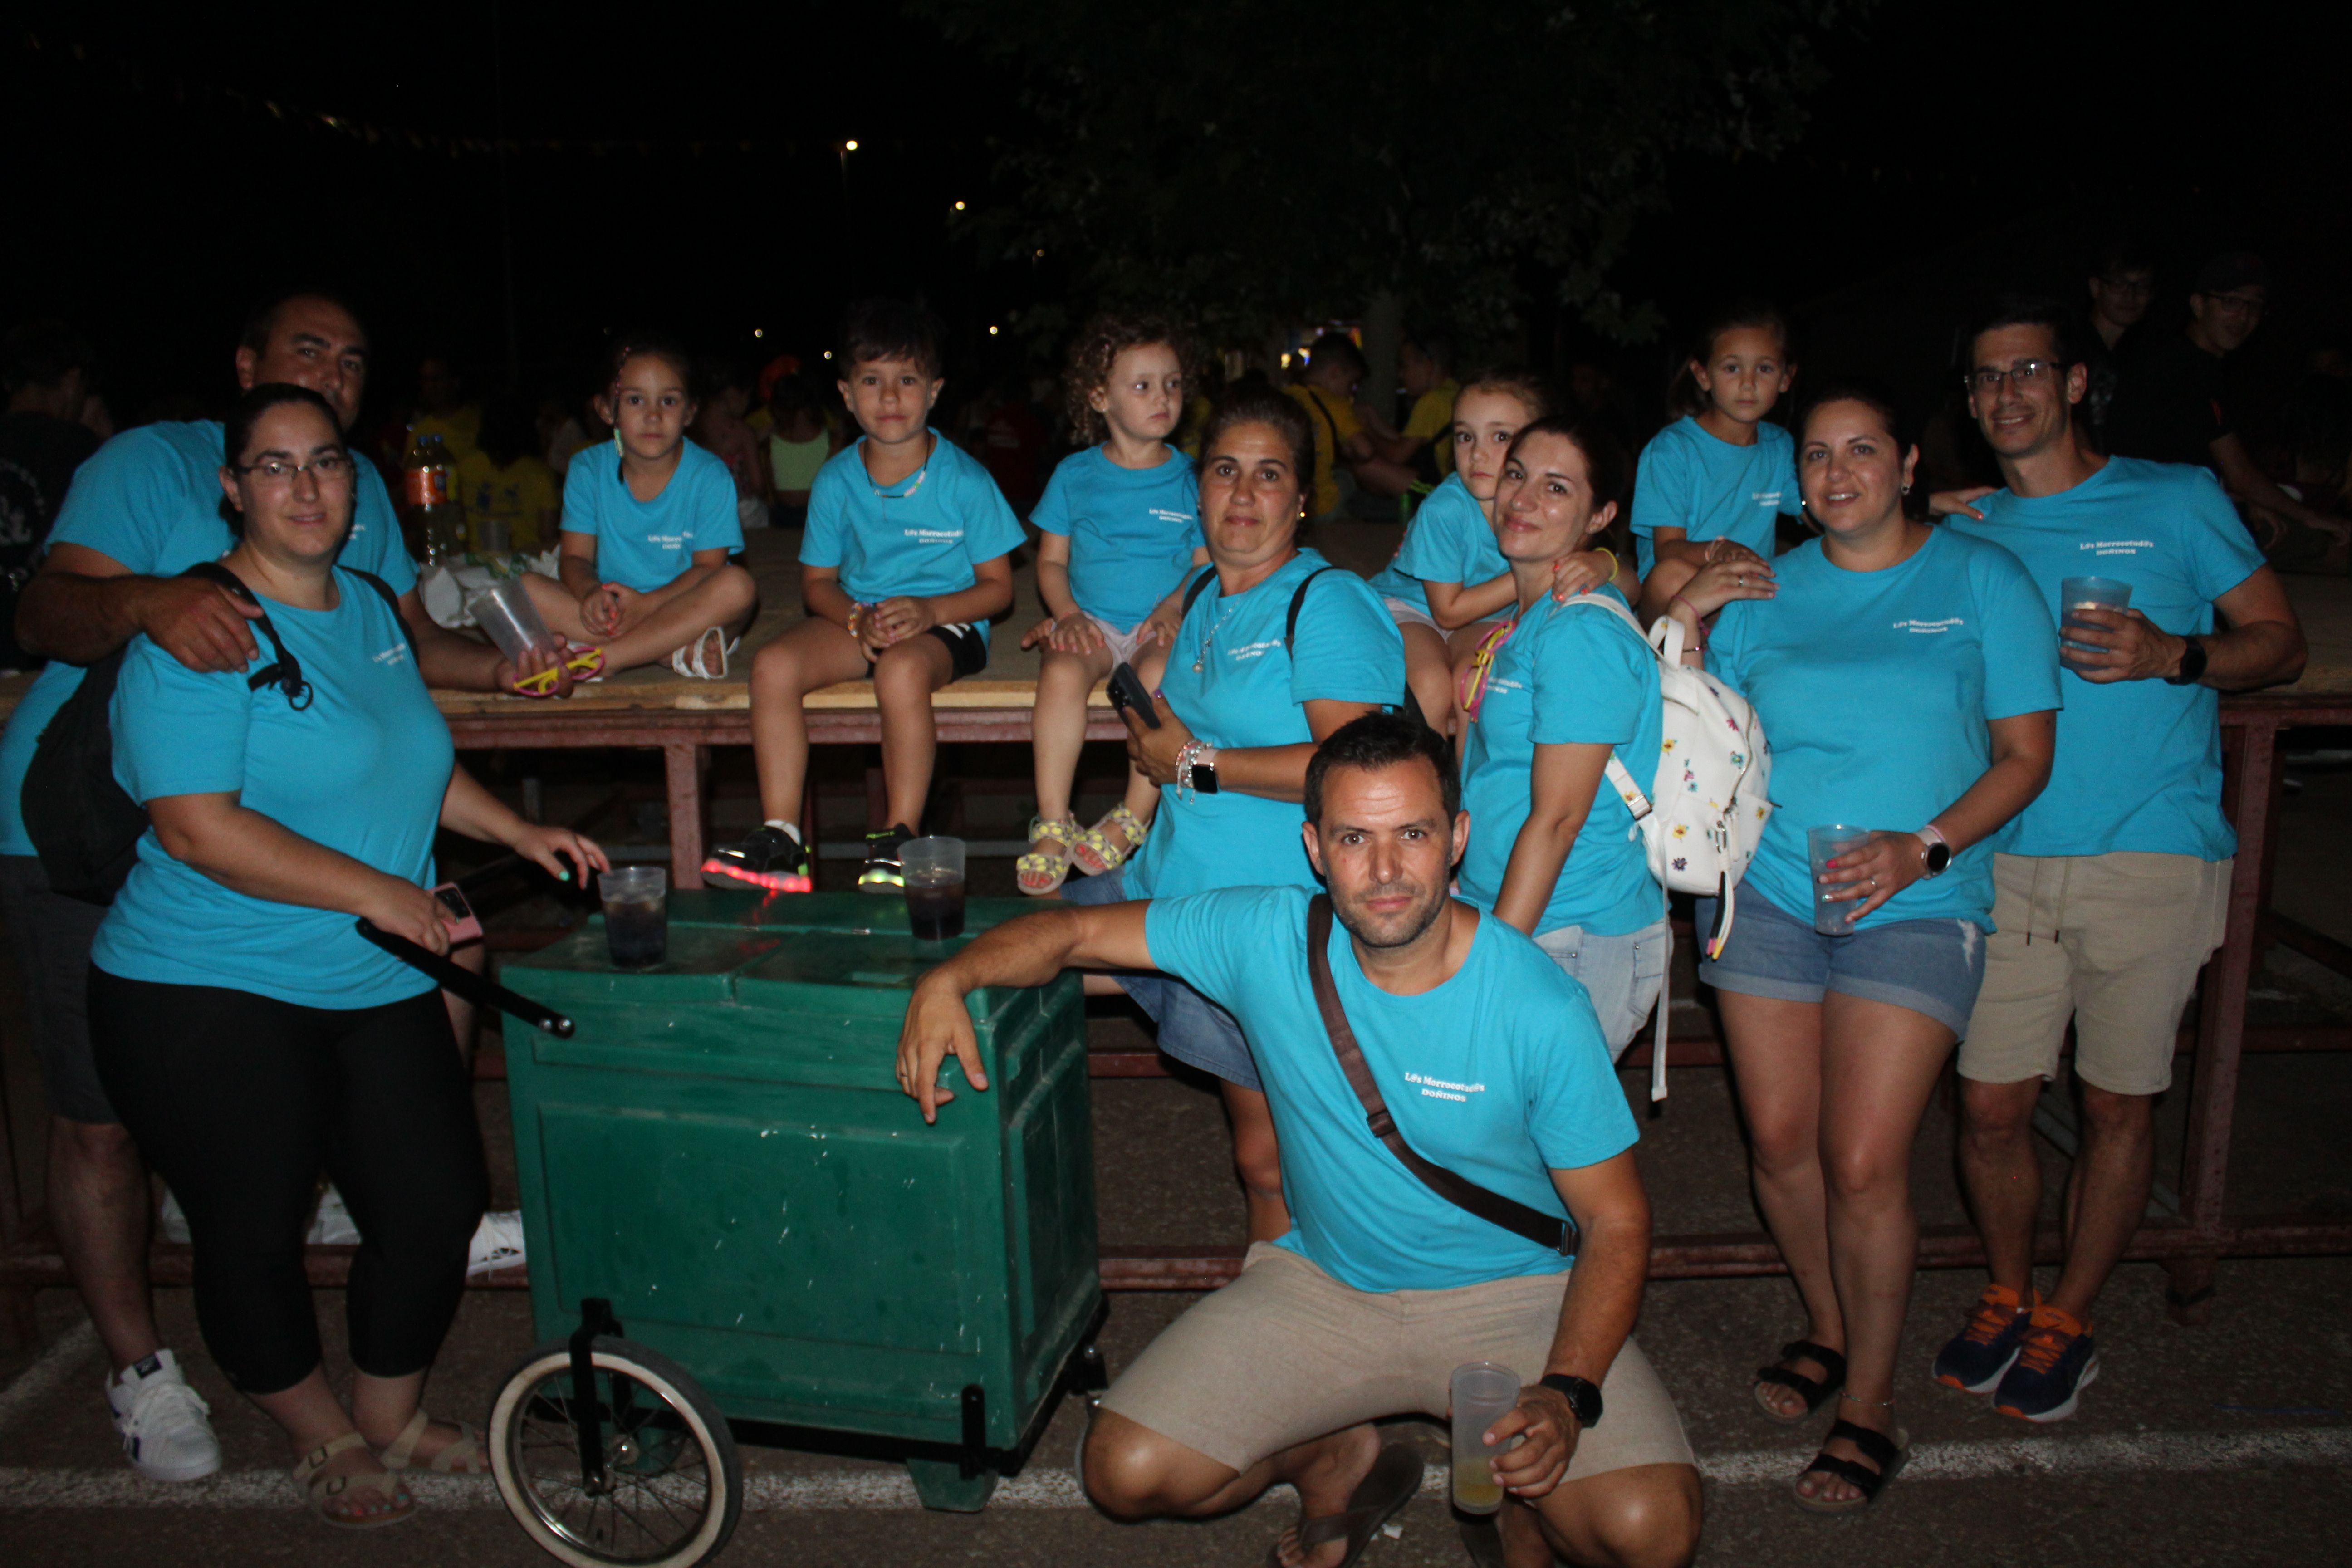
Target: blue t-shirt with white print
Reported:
[(646, 544), (920, 537), (1448, 541), (1712, 490), (1132, 532)]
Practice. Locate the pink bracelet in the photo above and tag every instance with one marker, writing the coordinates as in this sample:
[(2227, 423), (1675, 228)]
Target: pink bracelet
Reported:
[(1698, 621)]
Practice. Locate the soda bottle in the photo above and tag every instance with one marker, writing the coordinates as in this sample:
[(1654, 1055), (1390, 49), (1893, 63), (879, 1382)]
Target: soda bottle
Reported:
[(430, 488)]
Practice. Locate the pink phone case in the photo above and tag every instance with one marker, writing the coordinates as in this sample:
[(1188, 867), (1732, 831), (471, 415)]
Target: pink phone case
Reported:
[(457, 914)]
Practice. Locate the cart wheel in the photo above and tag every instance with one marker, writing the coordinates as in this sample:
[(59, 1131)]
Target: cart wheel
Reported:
[(672, 1485)]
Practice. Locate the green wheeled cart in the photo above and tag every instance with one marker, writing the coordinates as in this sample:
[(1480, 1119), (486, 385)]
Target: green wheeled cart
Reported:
[(718, 1163)]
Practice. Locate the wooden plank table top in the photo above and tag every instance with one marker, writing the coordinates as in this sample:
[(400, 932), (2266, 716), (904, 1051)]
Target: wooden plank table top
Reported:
[(2324, 605)]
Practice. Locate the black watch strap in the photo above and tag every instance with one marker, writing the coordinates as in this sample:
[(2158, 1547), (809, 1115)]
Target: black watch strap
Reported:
[(2192, 663), (1583, 1396)]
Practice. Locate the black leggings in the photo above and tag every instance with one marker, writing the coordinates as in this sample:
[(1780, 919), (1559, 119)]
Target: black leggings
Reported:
[(238, 1101)]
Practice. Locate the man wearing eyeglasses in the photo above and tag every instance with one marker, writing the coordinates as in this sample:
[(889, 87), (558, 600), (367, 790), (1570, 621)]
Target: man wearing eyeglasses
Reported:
[(2172, 406), (2113, 888), (142, 509), (2123, 286)]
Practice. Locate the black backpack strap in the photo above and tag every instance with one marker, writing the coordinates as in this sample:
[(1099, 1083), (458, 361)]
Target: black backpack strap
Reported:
[(1198, 586), (1548, 1231), (1299, 603), (284, 671)]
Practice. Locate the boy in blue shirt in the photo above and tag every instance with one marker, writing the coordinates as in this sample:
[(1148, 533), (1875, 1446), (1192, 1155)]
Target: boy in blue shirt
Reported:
[(2111, 888), (907, 556), (1489, 1060)]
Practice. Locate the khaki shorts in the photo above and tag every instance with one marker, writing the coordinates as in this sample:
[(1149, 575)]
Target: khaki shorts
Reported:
[(1286, 1353), (2113, 942)]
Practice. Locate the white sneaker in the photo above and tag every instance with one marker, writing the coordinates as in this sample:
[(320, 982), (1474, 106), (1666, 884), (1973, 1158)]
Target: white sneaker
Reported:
[(165, 1435), (498, 1243)]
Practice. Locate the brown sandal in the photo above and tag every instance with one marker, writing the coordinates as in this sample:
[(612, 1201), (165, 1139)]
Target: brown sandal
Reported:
[(324, 1490), (461, 1455)]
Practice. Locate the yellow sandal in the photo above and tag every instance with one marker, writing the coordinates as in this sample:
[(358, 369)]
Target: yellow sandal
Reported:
[(1093, 851), (1051, 869), (324, 1490)]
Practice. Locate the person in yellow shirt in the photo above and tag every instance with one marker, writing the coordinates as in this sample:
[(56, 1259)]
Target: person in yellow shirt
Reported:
[(1343, 447), (504, 481), (441, 409), (1425, 445)]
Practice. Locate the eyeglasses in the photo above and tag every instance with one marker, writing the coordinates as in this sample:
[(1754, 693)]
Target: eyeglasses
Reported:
[(327, 468), (1987, 379), (2132, 288), (2237, 304)]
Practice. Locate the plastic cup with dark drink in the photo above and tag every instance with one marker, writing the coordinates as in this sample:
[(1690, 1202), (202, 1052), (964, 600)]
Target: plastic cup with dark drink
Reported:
[(636, 914), (934, 872), (2089, 594), (1833, 916)]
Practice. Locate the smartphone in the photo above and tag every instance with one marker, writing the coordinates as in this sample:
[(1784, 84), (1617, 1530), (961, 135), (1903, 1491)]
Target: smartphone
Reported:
[(457, 914), (1127, 690)]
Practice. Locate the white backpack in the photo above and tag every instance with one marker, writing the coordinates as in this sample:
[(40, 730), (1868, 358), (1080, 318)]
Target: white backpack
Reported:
[(1706, 807)]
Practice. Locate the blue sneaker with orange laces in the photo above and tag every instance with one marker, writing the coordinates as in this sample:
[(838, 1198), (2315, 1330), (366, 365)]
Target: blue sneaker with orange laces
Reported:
[(1974, 1360), (2055, 1361)]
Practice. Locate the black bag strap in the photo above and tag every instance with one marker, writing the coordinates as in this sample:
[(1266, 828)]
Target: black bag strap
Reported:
[(1408, 705), (284, 671), (391, 602), (1549, 1231)]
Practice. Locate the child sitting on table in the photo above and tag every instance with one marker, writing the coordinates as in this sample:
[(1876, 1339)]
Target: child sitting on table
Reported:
[(1120, 524), (907, 554), (647, 528)]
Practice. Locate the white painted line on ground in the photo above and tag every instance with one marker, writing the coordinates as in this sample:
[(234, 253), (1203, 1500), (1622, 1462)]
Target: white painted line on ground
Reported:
[(50, 1368), (881, 1490)]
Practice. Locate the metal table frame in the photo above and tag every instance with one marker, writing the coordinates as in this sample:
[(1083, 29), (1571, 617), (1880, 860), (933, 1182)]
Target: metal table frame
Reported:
[(2188, 1245)]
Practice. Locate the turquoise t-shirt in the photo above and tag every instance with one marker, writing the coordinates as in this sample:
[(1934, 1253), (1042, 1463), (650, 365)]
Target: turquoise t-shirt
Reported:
[(149, 501), (1448, 541), (920, 537), (2139, 761), (1712, 490), (1875, 689), (1499, 1074), (645, 544), (1250, 690), (361, 768), (1568, 674), (1132, 532)]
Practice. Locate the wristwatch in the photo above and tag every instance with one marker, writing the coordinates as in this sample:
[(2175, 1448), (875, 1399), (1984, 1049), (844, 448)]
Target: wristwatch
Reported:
[(2192, 663), (1582, 1395), (1939, 851), (1204, 771)]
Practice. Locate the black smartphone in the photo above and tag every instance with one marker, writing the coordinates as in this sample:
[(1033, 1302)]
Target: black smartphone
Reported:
[(1127, 690)]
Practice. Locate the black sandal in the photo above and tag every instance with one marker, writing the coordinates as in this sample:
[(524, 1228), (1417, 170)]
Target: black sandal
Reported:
[(1813, 1392), (1888, 1453)]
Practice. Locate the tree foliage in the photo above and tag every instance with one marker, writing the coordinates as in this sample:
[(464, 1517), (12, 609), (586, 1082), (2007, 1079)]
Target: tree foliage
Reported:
[(1255, 162)]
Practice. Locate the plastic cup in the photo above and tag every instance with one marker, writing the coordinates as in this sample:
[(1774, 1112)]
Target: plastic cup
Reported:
[(2098, 593), (636, 914), (934, 871), (1483, 1393), (505, 612), (491, 536), (1823, 844)]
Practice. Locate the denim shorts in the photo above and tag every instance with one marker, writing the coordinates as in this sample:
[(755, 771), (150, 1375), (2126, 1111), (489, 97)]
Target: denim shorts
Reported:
[(1620, 973), (1192, 1028), (1932, 967)]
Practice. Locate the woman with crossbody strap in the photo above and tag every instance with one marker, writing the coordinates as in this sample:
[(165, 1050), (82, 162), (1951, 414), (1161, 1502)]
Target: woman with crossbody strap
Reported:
[(1240, 712), (245, 1031)]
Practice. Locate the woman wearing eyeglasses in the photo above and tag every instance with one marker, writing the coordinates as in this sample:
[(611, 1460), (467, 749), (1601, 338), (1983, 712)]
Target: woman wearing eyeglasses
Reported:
[(247, 1034)]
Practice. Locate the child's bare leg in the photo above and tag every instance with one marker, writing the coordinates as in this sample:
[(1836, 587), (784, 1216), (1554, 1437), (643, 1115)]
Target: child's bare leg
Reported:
[(810, 656), (1058, 724), (724, 598), (904, 678), (556, 607), (1429, 673)]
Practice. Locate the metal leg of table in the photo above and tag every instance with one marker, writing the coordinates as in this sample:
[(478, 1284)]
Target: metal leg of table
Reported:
[(683, 762), (2253, 748)]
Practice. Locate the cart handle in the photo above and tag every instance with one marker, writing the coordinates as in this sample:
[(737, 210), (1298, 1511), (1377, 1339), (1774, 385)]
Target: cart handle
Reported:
[(478, 989)]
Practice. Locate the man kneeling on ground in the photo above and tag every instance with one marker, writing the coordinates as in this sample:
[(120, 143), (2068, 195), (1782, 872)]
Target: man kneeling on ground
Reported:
[(1491, 1062)]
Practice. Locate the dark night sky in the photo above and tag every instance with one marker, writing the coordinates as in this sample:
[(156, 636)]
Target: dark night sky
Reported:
[(1955, 146)]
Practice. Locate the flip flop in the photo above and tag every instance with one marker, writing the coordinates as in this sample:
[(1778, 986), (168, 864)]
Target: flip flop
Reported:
[(1386, 1488)]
